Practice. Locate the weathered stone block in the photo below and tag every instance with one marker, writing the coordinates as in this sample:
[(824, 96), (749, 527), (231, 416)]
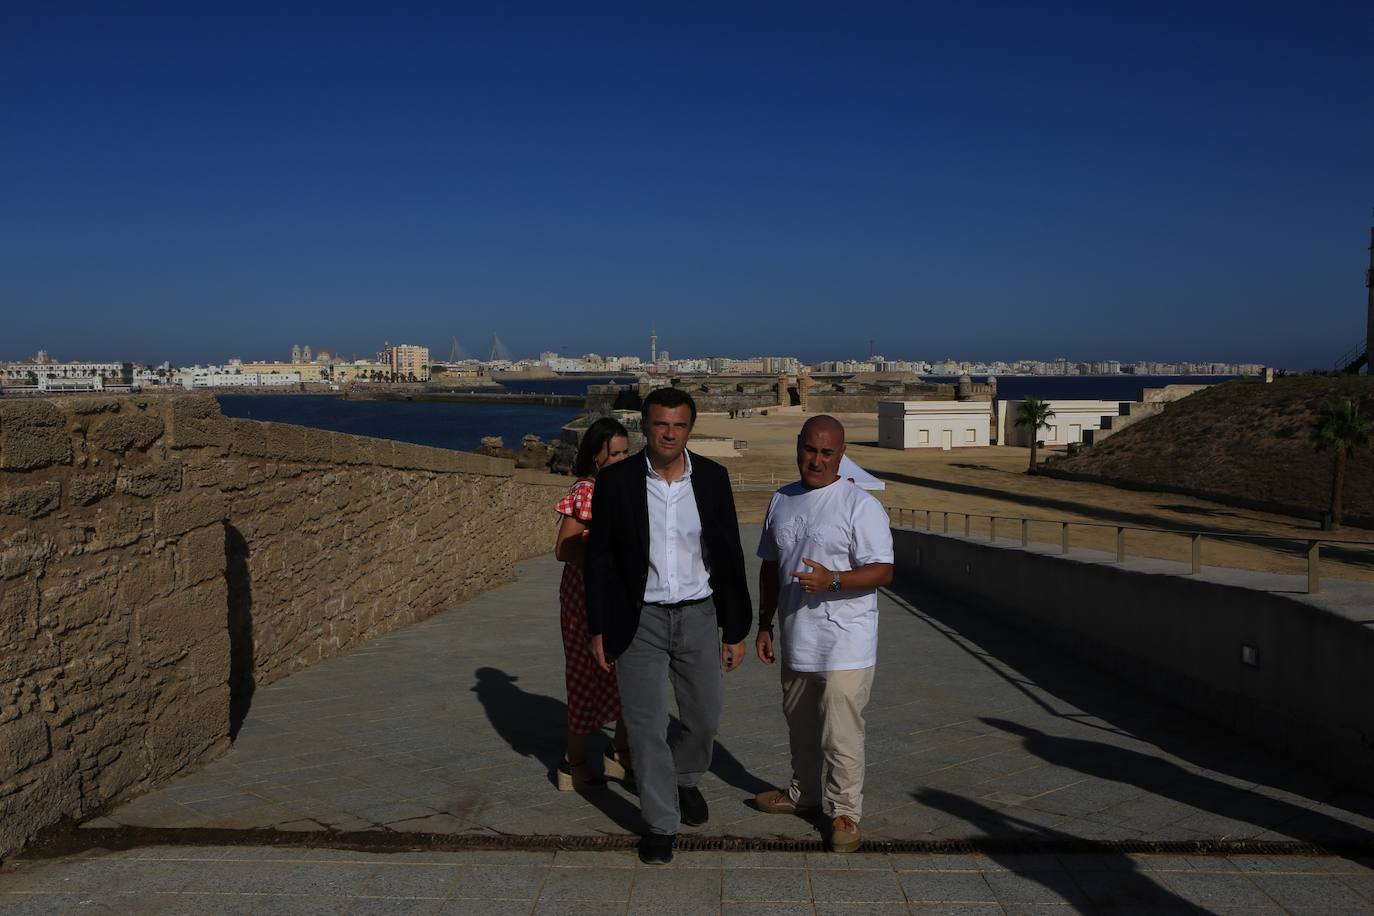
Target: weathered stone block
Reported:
[(151, 480), (24, 552), (168, 627), (23, 742), (179, 513), (33, 501), (196, 422), (200, 556), (33, 434), (275, 441), (187, 732), (120, 526), (84, 489), (86, 406), (128, 432), (151, 578)]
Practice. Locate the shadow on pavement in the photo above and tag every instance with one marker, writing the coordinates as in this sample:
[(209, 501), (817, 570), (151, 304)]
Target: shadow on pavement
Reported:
[(1115, 879), (1093, 697), (537, 726)]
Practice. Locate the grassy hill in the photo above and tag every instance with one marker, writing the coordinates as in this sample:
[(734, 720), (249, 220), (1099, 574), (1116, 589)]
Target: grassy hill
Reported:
[(1241, 440)]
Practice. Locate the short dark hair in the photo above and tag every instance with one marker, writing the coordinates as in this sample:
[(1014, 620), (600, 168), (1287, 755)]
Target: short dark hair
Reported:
[(670, 398), (593, 441)]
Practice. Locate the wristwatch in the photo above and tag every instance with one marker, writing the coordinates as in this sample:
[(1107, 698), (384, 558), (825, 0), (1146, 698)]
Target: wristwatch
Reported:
[(835, 583)]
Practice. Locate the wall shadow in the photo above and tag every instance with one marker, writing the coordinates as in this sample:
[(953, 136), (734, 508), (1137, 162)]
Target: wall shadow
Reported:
[(1163, 778), (1094, 699), (536, 726), (238, 577), (1114, 881)]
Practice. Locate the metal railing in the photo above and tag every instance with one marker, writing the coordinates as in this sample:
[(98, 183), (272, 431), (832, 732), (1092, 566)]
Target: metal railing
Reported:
[(905, 517), (1355, 357)]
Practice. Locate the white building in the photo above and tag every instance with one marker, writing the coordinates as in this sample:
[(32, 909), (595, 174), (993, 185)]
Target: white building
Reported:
[(1070, 419), (934, 424)]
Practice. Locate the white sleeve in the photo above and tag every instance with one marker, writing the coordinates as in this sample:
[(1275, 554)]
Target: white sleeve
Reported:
[(872, 533), (768, 547)]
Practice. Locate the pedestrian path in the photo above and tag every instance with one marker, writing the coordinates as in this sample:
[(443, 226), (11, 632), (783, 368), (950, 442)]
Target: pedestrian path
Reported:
[(976, 733)]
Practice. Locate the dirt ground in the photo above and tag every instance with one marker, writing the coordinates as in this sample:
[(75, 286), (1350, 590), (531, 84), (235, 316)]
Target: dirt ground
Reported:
[(983, 481)]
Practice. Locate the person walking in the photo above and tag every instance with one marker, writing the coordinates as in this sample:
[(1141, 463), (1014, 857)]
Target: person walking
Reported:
[(826, 549), (668, 609), (593, 698)]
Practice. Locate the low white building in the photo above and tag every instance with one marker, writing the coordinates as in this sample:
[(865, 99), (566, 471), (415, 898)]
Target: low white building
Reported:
[(934, 424), (217, 378), (1070, 419)]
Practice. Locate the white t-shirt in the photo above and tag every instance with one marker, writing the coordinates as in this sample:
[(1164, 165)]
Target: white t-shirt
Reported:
[(841, 527)]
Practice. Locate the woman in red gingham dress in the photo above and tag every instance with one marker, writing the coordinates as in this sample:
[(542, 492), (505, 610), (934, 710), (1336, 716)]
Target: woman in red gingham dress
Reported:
[(593, 698)]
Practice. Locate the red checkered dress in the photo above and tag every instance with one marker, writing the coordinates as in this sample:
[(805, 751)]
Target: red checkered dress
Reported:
[(593, 698)]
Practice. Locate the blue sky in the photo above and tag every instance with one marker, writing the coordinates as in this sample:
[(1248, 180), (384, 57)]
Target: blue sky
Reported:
[(1138, 181)]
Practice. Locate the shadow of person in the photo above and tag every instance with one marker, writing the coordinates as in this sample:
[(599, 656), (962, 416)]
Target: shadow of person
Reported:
[(536, 726), (1114, 879), (729, 770), (239, 581), (1165, 779)]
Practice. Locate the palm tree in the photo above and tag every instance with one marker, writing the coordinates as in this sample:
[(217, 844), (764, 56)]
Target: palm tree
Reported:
[(1340, 428), (1035, 414)]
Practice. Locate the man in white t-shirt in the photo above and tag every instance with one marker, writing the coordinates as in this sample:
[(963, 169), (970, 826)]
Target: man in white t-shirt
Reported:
[(826, 550)]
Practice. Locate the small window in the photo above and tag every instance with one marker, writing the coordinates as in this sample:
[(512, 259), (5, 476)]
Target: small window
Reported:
[(970, 435), (923, 437)]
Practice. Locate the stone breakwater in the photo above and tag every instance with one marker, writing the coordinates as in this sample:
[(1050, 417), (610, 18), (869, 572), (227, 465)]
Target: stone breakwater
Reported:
[(157, 560)]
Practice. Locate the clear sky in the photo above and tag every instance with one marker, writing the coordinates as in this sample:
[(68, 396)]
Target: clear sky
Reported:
[(984, 181)]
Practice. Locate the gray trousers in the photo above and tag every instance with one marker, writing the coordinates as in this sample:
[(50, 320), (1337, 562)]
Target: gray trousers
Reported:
[(677, 650)]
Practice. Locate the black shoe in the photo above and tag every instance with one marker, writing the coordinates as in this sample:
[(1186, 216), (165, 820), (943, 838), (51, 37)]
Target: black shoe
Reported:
[(656, 848), (692, 806)]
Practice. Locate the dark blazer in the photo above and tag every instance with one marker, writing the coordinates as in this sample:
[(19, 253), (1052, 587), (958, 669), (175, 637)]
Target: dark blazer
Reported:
[(617, 565)]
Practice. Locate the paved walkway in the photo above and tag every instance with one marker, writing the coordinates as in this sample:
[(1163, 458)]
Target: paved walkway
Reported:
[(453, 727)]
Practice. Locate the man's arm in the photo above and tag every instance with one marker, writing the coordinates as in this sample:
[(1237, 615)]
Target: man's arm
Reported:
[(816, 578), (768, 609), (737, 604)]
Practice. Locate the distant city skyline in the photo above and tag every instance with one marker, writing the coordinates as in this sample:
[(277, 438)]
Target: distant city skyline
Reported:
[(1163, 183)]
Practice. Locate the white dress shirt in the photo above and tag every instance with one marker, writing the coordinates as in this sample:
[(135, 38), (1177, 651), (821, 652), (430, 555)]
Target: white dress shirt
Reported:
[(677, 568)]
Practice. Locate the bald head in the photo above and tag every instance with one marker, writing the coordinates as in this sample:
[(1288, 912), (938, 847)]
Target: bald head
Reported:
[(820, 446), (825, 422)]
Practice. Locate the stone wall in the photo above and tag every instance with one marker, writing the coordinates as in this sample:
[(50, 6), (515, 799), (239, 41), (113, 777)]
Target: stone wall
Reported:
[(158, 560)]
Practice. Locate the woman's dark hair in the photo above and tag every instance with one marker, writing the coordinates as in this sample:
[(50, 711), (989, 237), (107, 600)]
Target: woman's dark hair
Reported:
[(593, 441), (670, 398)]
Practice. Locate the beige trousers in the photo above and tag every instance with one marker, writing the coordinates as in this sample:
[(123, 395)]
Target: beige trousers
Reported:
[(825, 725)]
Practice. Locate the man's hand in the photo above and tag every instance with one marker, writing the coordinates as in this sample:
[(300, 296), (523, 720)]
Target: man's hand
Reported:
[(599, 653), (731, 654), (816, 580), (763, 646)]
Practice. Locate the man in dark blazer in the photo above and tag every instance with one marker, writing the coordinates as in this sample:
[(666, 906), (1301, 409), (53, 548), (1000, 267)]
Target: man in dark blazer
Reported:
[(668, 608)]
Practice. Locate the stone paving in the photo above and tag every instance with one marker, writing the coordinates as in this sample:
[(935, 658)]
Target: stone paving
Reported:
[(454, 725)]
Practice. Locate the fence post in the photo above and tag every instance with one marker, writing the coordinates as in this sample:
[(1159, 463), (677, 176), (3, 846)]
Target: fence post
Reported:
[(1314, 563), (965, 524), (927, 519), (946, 515), (1063, 537), (1197, 554), (1025, 532), (1120, 544), (992, 528)]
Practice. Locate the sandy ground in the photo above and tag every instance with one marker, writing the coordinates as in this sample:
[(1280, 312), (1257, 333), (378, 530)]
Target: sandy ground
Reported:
[(993, 481)]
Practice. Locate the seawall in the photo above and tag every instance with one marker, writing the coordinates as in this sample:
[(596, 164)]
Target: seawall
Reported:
[(157, 560)]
